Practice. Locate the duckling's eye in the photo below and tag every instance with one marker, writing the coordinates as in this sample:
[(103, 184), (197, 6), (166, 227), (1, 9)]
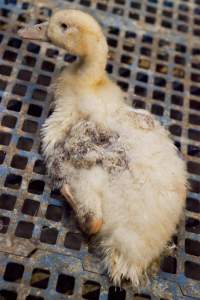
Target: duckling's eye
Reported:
[(64, 26)]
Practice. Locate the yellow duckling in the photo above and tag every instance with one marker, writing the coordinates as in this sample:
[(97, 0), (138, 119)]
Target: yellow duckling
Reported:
[(116, 165)]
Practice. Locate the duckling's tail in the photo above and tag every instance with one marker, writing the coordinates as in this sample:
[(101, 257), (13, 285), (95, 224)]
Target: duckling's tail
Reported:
[(124, 258)]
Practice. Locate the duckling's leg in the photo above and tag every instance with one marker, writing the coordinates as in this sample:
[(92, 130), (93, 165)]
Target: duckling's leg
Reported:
[(89, 220)]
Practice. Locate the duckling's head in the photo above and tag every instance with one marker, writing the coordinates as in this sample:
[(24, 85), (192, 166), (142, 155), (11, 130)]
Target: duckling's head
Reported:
[(73, 30)]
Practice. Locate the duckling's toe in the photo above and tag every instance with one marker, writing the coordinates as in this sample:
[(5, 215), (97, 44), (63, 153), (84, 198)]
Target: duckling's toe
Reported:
[(91, 224)]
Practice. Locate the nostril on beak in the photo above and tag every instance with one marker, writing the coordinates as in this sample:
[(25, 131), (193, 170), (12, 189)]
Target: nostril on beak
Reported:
[(35, 32)]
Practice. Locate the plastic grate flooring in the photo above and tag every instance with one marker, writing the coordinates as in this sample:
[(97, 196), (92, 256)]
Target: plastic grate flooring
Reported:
[(155, 58)]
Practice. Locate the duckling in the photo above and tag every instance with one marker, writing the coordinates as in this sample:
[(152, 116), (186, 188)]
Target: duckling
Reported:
[(115, 165)]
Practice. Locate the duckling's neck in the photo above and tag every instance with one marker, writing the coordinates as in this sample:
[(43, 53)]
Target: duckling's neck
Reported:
[(91, 68)]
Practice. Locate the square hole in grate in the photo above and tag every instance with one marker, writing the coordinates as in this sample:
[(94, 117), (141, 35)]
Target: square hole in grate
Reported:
[(36, 187), (123, 72), (193, 167), (45, 11), (52, 53), (13, 181), (176, 114), (29, 61), (192, 225), (9, 121), (91, 290), (143, 297), (10, 55), (30, 126), (150, 19), (101, 6), (69, 58), (15, 43), (2, 156), (193, 205), (19, 89), (34, 110), (85, 2), (115, 293), (49, 235), (4, 223), (24, 229), (5, 138), (48, 66), (109, 68), (141, 91), (1, 37), (145, 51), (54, 213), (142, 77), (3, 85), (147, 39), (39, 167), (5, 12), (123, 85), (134, 16), (113, 30), (194, 104), (192, 247), (40, 278), (25, 5), (138, 103), (73, 241), (118, 11), (3, 25), (192, 270), (7, 201), (43, 80), (32, 297), (24, 75), (33, 48), (112, 42), (19, 162), (8, 295), (22, 18), (25, 143), (159, 81), (157, 110), (65, 284), (169, 265), (181, 48), (39, 95), (193, 150), (5, 70), (194, 134), (194, 119), (14, 105), (178, 86), (175, 130), (177, 100), (194, 186), (30, 207), (126, 59), (57, 195), (144, 63), (13, 272), (161, 68)]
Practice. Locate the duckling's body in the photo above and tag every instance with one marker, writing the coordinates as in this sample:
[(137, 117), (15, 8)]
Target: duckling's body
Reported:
[(119, 163), (141, 201)]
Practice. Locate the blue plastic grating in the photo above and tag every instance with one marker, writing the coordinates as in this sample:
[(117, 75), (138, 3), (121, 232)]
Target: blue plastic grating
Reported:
[(155, 58)]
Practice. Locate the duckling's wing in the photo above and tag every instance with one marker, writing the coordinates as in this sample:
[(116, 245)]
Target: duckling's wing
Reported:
[(142, 118)]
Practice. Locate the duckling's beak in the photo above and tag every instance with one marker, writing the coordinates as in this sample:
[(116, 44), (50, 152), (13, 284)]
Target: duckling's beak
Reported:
[(36, 32)]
